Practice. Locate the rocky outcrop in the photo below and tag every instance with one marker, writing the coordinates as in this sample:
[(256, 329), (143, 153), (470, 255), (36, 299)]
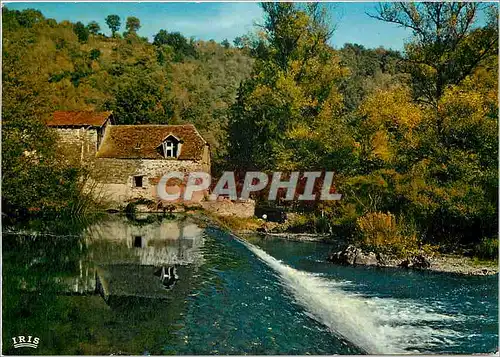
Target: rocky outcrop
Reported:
[(356, 256), (419, 261), (463, 265), (353, 256)]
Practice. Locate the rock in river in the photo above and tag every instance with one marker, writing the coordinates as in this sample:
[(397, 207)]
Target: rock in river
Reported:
[(416, 262), (352, 255), (356, 256)]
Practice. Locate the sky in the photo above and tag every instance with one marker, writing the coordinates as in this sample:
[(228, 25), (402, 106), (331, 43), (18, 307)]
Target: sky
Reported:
[(218, 21)]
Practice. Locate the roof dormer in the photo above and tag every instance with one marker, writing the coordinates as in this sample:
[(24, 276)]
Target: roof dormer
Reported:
[(171, 147)]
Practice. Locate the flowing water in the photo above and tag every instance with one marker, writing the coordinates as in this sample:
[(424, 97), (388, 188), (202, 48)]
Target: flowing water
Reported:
[(96, 292)]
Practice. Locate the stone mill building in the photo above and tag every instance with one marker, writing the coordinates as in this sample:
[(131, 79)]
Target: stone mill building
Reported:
[(127, 161)]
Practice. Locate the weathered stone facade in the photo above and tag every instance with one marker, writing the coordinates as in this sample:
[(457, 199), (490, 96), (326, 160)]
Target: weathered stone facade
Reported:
[(80, 135), (116, 176), (78, 145), (127, 161)]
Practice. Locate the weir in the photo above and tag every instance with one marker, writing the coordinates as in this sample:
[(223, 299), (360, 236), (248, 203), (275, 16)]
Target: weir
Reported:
[(270, 297)]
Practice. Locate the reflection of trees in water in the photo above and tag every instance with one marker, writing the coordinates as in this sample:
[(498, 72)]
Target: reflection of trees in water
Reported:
[(34, 270), (42, 273), (39, 261)]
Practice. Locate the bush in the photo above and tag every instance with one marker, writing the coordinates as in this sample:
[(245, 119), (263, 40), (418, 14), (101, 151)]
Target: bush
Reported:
[(380, 232), (300, 223), (237, 223), (322, 224), (487, 249)]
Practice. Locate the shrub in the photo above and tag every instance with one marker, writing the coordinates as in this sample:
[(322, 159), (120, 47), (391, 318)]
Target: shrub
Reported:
[(487, 249), (300, 223), (322, 224), (237, 223), (381, 232)]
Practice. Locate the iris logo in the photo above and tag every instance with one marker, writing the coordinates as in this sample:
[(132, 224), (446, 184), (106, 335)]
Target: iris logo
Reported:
[(23, 341)]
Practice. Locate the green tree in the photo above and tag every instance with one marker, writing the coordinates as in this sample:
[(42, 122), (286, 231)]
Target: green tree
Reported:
[(30, 17), (81, 32), (34, 180), (93, 27), (287, 116), (239, 42), (446, 47), (95, 54), (369, 70), (225, 43), (113, 22), (180, 44), (133, 24)]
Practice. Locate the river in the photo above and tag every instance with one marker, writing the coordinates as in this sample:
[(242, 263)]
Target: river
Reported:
[(97, 292)]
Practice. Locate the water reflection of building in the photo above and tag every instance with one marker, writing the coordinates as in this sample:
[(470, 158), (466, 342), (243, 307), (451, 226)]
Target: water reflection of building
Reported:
[(136, 314), (122, 256), (164, 242)]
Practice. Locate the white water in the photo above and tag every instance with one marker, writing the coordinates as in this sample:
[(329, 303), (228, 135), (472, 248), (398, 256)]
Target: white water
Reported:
[(376, 325)]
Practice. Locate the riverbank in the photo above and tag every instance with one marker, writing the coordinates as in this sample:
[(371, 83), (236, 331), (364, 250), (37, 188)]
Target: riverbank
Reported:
[(463, 265), (104, 278), (444, 263)]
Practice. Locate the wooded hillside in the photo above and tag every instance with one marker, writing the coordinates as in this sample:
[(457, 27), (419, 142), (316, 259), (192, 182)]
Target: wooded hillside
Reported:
[(411, 136)]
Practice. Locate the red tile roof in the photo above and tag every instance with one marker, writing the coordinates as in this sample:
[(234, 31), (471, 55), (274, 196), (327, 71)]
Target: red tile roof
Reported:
[(78, 118), (144, 141)]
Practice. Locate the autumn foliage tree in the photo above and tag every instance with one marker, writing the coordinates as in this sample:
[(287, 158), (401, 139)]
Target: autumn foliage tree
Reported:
[(418, 136), (287, 116), (411, 136), (430, 146), (47, 68)]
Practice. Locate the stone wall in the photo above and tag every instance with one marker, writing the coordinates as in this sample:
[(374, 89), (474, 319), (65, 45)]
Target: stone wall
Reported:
[(226, 207), (116, 177), (77, 146)]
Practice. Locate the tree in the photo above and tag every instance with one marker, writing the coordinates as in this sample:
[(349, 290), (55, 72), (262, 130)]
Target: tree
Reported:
[(113, 22), (370, 69), (161, 38), (93, 27), (94, 54), (133, 24), (181, 46), (81, 32), (287, 116), (225, 43), (240, 41), (284, 28), (446, 46), (30, 17), (33, 179)]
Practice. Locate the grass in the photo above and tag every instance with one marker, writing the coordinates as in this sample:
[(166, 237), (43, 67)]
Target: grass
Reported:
[(232, 223), (480, 262), (238, 223)]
